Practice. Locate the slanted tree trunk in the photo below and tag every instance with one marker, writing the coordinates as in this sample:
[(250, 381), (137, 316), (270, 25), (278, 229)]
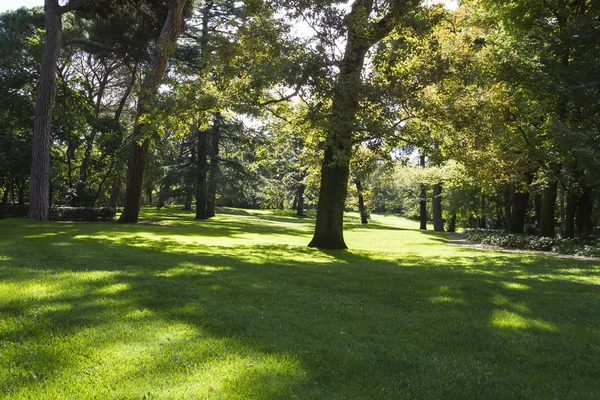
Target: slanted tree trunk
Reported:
[(165, 47), (39, 187), (436, 205), (300, 200), (364, 216), (201, 173), (548, 209), (214, 169)]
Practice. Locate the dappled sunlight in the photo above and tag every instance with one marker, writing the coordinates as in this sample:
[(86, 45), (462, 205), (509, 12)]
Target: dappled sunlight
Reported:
[(249, 311), (509, 320), (515, 286)]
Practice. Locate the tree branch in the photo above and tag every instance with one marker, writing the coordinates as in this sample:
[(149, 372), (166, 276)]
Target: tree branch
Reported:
[(91, 43)]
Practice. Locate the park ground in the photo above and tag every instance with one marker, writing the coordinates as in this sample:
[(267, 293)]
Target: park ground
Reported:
[(238, 307)]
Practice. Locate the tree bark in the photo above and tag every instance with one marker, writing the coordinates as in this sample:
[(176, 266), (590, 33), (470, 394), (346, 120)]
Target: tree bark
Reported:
[(39, 187), (537, 200), (452, 223), (548, 208), (300, 200), (214, 169), (201, 173), (482, 217), (115, 190), (520, 201), (583, 217), (335, 169), (364, 217), (423, 201), (436, 205), (165, 47), (570, 214)]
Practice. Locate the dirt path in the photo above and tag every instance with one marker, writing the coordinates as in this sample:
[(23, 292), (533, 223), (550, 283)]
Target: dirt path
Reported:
[(458, 239)]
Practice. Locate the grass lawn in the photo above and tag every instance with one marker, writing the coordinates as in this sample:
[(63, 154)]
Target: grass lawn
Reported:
[(238, 308)]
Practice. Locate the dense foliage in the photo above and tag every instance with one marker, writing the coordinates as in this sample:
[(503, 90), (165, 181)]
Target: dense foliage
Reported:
[(484, 116)]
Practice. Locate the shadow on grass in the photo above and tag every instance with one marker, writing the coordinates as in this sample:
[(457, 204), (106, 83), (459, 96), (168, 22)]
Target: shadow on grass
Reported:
[(280, 321)]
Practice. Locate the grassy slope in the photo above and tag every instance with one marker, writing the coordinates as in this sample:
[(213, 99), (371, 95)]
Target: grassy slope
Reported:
[(237, 307)]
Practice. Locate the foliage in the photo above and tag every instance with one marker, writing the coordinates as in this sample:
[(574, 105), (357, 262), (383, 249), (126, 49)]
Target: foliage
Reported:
[(588, 247)]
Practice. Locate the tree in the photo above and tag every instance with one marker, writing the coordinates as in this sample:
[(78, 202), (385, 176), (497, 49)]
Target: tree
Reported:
[(165, 47), (362, 33)]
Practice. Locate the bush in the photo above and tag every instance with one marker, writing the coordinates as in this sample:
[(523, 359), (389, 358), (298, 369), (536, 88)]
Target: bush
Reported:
[(81, 214), (62, 213), (588, 247), (9, 211)]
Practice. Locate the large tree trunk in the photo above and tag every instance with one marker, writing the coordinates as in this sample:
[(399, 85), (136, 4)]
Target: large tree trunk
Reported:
[(583, 217), (329, 227), (436, 205), (165, 47), (364, 217), (39, 187), (519, 203), (201, 173), (214, 169), (548, 208)]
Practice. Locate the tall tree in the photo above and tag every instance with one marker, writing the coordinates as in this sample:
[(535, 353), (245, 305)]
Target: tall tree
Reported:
[(362, 33), (165, 47)]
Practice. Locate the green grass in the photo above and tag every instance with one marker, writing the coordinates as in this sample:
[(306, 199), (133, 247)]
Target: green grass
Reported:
[(238, 308)]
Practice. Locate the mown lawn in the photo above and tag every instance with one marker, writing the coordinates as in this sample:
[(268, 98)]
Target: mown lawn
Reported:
[(238, 308)]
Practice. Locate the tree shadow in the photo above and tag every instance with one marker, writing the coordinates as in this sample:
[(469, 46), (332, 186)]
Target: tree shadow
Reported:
[(284, 321)]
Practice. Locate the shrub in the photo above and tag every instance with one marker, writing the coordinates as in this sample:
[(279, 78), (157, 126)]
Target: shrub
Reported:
[(588, 247), (10, 211), (62, 213), (81, 214)]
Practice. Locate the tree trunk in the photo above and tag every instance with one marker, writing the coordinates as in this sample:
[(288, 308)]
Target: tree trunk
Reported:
[(335, 169), (482, 217), (202, 169), (115, 190), (39, 187), (364, 217), (538, 209), (519, 203), (452, 223), (300, 200), (165, 47), (548, 208), (583, 218), (570, 214), (423, 201), (436, 205), (214, 169)]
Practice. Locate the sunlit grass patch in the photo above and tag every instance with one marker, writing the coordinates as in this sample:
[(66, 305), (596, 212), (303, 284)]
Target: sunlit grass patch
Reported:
[(238, 307)]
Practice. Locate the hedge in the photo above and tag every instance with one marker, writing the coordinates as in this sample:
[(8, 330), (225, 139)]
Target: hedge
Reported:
[(587, 247), (62, 213)]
